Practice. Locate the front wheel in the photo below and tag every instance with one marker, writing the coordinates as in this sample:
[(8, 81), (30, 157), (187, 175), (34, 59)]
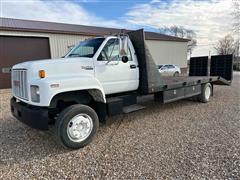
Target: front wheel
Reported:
[(76, 126)]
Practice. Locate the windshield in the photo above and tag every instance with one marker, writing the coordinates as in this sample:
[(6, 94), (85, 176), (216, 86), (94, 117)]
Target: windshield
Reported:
[(86, 48), (159, 66)]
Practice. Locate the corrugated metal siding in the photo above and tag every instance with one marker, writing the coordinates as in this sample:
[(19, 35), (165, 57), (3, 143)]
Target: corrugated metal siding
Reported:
[(59, 43), (168, 52)]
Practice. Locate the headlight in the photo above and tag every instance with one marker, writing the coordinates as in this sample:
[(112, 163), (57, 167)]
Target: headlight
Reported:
[(35, 94)]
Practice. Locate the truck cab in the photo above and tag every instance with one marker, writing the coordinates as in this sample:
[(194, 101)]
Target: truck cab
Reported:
[(95, 64), (88, 73)]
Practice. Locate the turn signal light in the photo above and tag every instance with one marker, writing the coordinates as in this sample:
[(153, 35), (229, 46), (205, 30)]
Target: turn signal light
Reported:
[(42, 74)]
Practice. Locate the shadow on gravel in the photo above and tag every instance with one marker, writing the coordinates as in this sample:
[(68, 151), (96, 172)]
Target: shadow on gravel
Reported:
[(21, 143)]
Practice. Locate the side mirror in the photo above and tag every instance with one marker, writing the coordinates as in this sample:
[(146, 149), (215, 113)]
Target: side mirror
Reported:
[(124, 59), (70, 47), (123, 44)]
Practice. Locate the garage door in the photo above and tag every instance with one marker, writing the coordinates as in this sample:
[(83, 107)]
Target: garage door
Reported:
[(15, 49)]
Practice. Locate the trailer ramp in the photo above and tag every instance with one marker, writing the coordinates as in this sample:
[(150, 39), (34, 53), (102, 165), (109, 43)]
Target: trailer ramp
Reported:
[(220, 66)]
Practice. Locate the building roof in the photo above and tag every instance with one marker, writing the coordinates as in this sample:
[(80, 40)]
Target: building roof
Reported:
[(52, 27)]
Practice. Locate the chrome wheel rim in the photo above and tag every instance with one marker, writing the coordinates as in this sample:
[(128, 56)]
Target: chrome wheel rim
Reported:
[(207, 92), (79, 127)]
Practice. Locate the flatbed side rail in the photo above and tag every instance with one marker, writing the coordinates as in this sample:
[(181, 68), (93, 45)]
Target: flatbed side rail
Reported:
[(177, 88), (178, 82)]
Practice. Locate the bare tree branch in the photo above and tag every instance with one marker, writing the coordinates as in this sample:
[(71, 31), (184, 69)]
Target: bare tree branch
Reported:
[(236, 23), (236, 16), (180, 31), (226, 45)]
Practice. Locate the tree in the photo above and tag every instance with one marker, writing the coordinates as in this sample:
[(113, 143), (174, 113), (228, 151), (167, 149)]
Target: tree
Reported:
[(236, 22), (236, 16), (226, 45), (180, 31)]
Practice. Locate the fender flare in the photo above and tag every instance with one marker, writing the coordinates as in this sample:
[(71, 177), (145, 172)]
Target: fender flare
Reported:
[(80, 96)]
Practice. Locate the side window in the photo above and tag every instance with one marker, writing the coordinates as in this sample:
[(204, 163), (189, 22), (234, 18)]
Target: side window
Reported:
[(170, 66), (110, 51)]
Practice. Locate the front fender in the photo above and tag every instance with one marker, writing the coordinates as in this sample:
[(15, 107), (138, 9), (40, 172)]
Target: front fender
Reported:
[(50, 87)]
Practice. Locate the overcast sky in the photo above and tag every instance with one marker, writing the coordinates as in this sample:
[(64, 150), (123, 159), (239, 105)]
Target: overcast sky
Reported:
[(211, 19)]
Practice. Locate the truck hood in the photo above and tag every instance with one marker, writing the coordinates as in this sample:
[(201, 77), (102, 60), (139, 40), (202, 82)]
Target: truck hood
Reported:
[(46, 62), (55, 67)]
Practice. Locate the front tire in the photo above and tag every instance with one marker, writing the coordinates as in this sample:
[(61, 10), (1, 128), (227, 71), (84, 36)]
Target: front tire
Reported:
[(76, 126), (206, 93)]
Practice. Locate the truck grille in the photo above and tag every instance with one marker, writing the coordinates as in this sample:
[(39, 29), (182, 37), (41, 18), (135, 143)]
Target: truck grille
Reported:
[(19, 83)]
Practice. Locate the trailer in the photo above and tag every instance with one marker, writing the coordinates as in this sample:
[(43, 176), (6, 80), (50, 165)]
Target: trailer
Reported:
[(101, 78)]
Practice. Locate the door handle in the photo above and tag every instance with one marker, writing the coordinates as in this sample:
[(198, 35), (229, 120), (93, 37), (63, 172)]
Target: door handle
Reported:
[(87, 67), (133, 66)]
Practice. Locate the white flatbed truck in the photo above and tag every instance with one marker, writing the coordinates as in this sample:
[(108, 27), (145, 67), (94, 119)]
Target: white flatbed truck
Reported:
[(100, 77)]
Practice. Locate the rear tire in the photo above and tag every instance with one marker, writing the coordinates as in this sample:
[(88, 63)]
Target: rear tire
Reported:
[(76, 126), (176, 74), (206, 93)]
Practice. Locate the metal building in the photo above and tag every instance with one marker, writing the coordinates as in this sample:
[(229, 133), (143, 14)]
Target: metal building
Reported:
[(23, 40)]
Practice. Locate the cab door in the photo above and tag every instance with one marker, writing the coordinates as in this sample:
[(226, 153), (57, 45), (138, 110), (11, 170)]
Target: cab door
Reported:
[(114, 75)]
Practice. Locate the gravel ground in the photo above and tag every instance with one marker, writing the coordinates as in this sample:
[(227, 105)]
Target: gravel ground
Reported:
[(181, 140)]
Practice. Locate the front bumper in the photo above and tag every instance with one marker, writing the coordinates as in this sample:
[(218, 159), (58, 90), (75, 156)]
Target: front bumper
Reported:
[(35, 117)]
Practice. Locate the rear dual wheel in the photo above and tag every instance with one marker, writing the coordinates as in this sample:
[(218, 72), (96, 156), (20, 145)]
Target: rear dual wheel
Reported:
[(206, 93), (76, 126)]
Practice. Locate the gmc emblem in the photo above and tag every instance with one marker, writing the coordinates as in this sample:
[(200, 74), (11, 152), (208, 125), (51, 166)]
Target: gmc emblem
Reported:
[(16, 83)]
